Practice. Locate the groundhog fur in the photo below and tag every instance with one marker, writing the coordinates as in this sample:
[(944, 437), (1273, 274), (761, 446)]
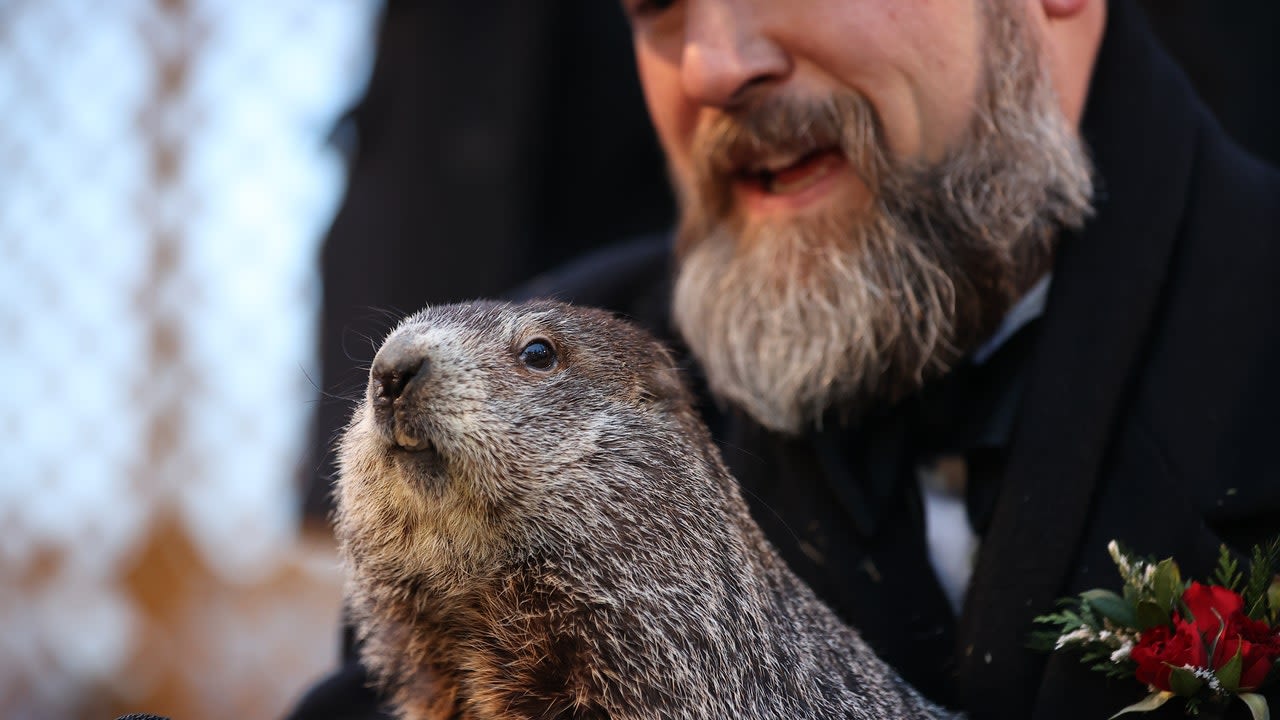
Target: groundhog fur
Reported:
[(535, 524)]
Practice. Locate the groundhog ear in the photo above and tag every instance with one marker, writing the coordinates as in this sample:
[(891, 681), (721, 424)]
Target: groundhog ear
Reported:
[(664, 382)]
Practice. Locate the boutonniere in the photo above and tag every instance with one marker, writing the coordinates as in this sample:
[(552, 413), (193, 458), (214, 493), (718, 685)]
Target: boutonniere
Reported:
[(1204, 643)]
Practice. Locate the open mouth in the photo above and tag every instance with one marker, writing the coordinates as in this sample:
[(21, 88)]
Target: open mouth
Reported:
[(795, 176)]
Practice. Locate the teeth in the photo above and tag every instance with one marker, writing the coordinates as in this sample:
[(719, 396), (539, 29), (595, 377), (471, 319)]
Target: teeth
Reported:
[(807, 179), (776, 164), (408, 440)]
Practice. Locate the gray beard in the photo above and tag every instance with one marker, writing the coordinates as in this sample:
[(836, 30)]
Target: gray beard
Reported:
[(854, 308)]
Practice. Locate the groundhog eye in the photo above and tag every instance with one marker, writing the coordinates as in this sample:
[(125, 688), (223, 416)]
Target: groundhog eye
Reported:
[(538, 355)]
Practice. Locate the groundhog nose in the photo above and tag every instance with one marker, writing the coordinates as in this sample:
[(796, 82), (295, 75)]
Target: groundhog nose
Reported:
[(397, 363)]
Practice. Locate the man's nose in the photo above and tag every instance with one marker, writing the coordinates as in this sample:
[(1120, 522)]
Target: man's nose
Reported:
[(727, 57)]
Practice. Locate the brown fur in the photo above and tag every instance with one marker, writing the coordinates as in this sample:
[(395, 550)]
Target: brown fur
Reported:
[(566, 543)]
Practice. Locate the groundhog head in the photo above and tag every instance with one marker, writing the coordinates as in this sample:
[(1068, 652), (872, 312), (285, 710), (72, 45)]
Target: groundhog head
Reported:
[(490, 430)]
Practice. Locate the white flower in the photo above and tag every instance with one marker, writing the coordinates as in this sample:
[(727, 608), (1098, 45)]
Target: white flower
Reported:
[(1121, 561), (1206, 675), (1141, 575), (1122, 653), (1081, 635)]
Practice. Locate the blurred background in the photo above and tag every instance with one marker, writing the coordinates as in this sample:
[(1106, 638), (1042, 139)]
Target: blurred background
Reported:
[(166, 180), (210, 213)]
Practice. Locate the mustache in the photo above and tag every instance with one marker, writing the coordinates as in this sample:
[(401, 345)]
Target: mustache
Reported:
[(728, 145)]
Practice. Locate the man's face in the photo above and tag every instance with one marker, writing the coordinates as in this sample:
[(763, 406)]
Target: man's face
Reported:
[(865, 188), (917, 64)]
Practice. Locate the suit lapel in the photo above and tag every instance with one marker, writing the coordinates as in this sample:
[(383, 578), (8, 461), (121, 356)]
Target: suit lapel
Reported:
[(1141, 126)]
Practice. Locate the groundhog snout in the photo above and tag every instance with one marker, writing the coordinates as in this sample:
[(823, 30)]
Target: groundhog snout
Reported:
[(398, 363), (400, 366)]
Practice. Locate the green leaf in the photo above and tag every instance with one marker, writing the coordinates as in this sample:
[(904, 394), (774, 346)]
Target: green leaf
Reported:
[(1262, 571), (1273, 600), (1054, 625), (1043, 640), (1111, 606), (1184, 683), (1167, 583), (1227, 573), (1147, 704), (1130, 594), (1257, 705), (1229, 673), (1150, 615)]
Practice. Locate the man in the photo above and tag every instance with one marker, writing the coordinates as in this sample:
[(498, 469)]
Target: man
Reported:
[(989, 255)]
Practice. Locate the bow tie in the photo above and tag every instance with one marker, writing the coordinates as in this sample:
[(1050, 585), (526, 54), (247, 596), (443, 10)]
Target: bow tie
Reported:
[(968, 413)]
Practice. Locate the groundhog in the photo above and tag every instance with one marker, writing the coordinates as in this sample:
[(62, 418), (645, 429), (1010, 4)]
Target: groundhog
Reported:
[(536, 524)]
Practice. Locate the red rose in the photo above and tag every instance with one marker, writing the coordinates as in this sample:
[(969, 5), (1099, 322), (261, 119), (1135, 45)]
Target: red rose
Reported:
[(1160, 650), (1233, 631), (1203, 600), (1258, 645)]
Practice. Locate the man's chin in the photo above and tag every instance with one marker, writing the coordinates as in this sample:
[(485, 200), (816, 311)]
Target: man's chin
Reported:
[(791, 318)]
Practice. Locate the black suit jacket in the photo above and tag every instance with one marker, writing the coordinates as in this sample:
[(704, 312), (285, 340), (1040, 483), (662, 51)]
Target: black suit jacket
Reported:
[(1148, 415)]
